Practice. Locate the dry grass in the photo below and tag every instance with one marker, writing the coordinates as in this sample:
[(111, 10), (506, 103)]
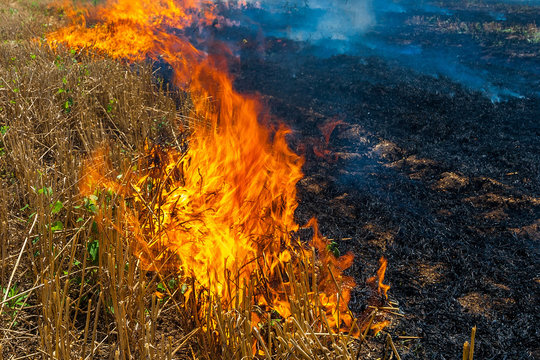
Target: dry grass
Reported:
[(72, 288), (59, 300)]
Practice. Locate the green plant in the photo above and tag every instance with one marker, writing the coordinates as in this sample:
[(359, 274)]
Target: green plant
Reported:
[(3, 131), (93, 250), (333, 248), (16, 300)]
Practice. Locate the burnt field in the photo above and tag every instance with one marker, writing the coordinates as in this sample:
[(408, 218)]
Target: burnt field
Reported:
[(345, 179), (445, 187), (430, 171)]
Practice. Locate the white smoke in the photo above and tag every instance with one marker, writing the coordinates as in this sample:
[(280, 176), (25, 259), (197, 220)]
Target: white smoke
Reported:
[(342, 18), (330, 19)]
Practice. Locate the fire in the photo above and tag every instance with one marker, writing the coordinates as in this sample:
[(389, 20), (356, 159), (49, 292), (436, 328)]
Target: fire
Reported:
[(379, 278), (327, 128), (131, 30), (223, 209)]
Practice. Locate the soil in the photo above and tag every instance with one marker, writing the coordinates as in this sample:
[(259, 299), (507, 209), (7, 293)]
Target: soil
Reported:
[(435, 177)]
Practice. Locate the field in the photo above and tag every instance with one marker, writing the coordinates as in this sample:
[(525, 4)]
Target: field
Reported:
[(439, 178), (85, 144)]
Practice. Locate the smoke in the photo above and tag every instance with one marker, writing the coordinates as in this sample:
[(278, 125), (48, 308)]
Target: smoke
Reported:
[(342, 19), (382, 28), (310, 20)]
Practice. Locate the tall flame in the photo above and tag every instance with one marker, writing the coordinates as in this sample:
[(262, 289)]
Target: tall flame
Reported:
[(379, 278), (226, 206)]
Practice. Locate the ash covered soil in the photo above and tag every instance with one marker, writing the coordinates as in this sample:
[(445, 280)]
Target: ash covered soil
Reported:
[(435, 177), (446, 186)]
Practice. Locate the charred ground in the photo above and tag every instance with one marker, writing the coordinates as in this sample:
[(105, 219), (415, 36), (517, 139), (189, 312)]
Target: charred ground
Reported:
[(438, 178)]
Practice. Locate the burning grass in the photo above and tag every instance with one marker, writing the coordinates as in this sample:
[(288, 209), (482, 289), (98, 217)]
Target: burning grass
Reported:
[(95, 220)]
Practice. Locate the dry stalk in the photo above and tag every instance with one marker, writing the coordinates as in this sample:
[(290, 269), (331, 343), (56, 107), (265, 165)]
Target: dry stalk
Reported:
[(16, 265), (394, 350), (468, 348), (471, 350)]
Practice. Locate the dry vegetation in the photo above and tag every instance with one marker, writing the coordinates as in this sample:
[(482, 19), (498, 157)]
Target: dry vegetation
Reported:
[(529, 33), (71, 288)]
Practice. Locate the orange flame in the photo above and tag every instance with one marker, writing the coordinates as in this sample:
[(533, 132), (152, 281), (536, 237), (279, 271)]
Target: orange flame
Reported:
[(226, 206), (327, 128), (381, 288), (378, 327)]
